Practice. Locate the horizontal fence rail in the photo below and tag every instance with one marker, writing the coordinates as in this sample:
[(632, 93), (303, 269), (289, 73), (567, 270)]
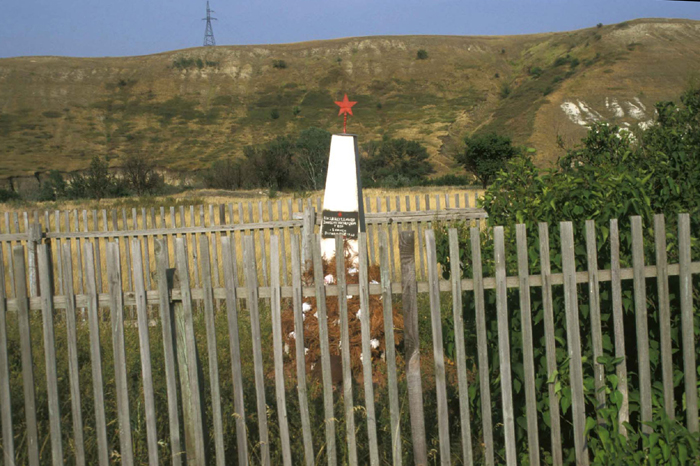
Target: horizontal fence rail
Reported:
[(189, 351)]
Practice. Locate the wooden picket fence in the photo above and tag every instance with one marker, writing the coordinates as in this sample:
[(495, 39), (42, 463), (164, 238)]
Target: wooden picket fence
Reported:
[(175, 297)]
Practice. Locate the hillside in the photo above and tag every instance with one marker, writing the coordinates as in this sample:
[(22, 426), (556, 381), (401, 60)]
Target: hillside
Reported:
[(190, 107)]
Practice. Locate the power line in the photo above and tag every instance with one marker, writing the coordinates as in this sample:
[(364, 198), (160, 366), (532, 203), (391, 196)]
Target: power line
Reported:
[(209, 32)]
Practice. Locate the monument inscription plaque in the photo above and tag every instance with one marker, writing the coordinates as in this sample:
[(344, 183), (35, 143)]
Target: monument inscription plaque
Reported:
[(340, 223)]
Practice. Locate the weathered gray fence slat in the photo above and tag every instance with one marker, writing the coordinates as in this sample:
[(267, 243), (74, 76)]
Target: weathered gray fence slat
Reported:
[(281, 232), (188, 363), (116, 300), (73, 367), (276, 317), (594, 312), (457, 317), (47, 312), (482, 346), (214, 241), (686, 291), (421, 249), (641, 320), (300, 353), (573, 339), (331, 454), (664, 313), (618, 324), (78, 247), (146, 251), (10, 259), (370, 231), (533, 441), (57, 221), (367, 351), (8, 442), (213, 358), (438, 352), (550, 345), (96, 248), (504, 347), (409, 301), (166, 318), (235, 347), (251, 281), (390, 344), (345, 352), (307, 232), (392, 263), (263, 253), (145, 351), (20, 285), (192, 239), (127, 253)]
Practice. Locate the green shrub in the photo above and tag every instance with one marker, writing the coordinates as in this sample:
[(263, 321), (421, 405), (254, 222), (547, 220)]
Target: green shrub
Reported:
[(536, 71), (274, 114), (7, 195), (395, 162), (422, 54), (279, 64)]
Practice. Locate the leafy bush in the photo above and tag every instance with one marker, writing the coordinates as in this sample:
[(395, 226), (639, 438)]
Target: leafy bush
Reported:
[(485, 155), (536, 71), (7, 195), (608, 176), (224, 174), (274, 114), (141, 176), (422, 54), (279, 64), (396, 162)]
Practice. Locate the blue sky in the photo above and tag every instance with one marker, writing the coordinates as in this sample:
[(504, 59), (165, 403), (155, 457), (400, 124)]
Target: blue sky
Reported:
[(138, 27)]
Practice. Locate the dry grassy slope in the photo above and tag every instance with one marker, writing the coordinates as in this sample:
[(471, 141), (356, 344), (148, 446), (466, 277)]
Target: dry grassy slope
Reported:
[(56, 112)]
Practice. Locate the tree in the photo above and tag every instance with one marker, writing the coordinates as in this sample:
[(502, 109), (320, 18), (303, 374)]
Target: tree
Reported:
[(140, 173), (311, 156), (396, 162), (485, 155), (224, 174), (271, 165)]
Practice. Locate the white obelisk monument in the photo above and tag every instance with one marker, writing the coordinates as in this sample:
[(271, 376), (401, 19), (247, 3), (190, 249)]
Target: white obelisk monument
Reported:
[(343, 210)]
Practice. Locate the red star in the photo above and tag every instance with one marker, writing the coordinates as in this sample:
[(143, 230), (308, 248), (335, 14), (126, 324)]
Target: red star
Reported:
[(345, 106)]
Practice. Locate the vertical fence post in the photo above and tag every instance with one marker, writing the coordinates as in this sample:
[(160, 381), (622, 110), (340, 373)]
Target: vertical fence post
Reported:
[(664, 314), (482, 345), (686, 282), (438, 352), (325, 352), (594, 314), (307, 238), (341, 272), (251, 284), (229, 259), (390, 346), (8, 443), (300, 353), (33, 238), (504, 347), (457, 311), (116, 301), (276, 317), (73, 365), (407, 252), (188, 363), (528, 356), (642, 323), (28, 380), (619, 327), (550, 345), (573, 340), (165, 285)]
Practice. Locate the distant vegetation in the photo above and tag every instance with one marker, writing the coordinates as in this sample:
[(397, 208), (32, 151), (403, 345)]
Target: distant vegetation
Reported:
[(185, 63), (422, 54)]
